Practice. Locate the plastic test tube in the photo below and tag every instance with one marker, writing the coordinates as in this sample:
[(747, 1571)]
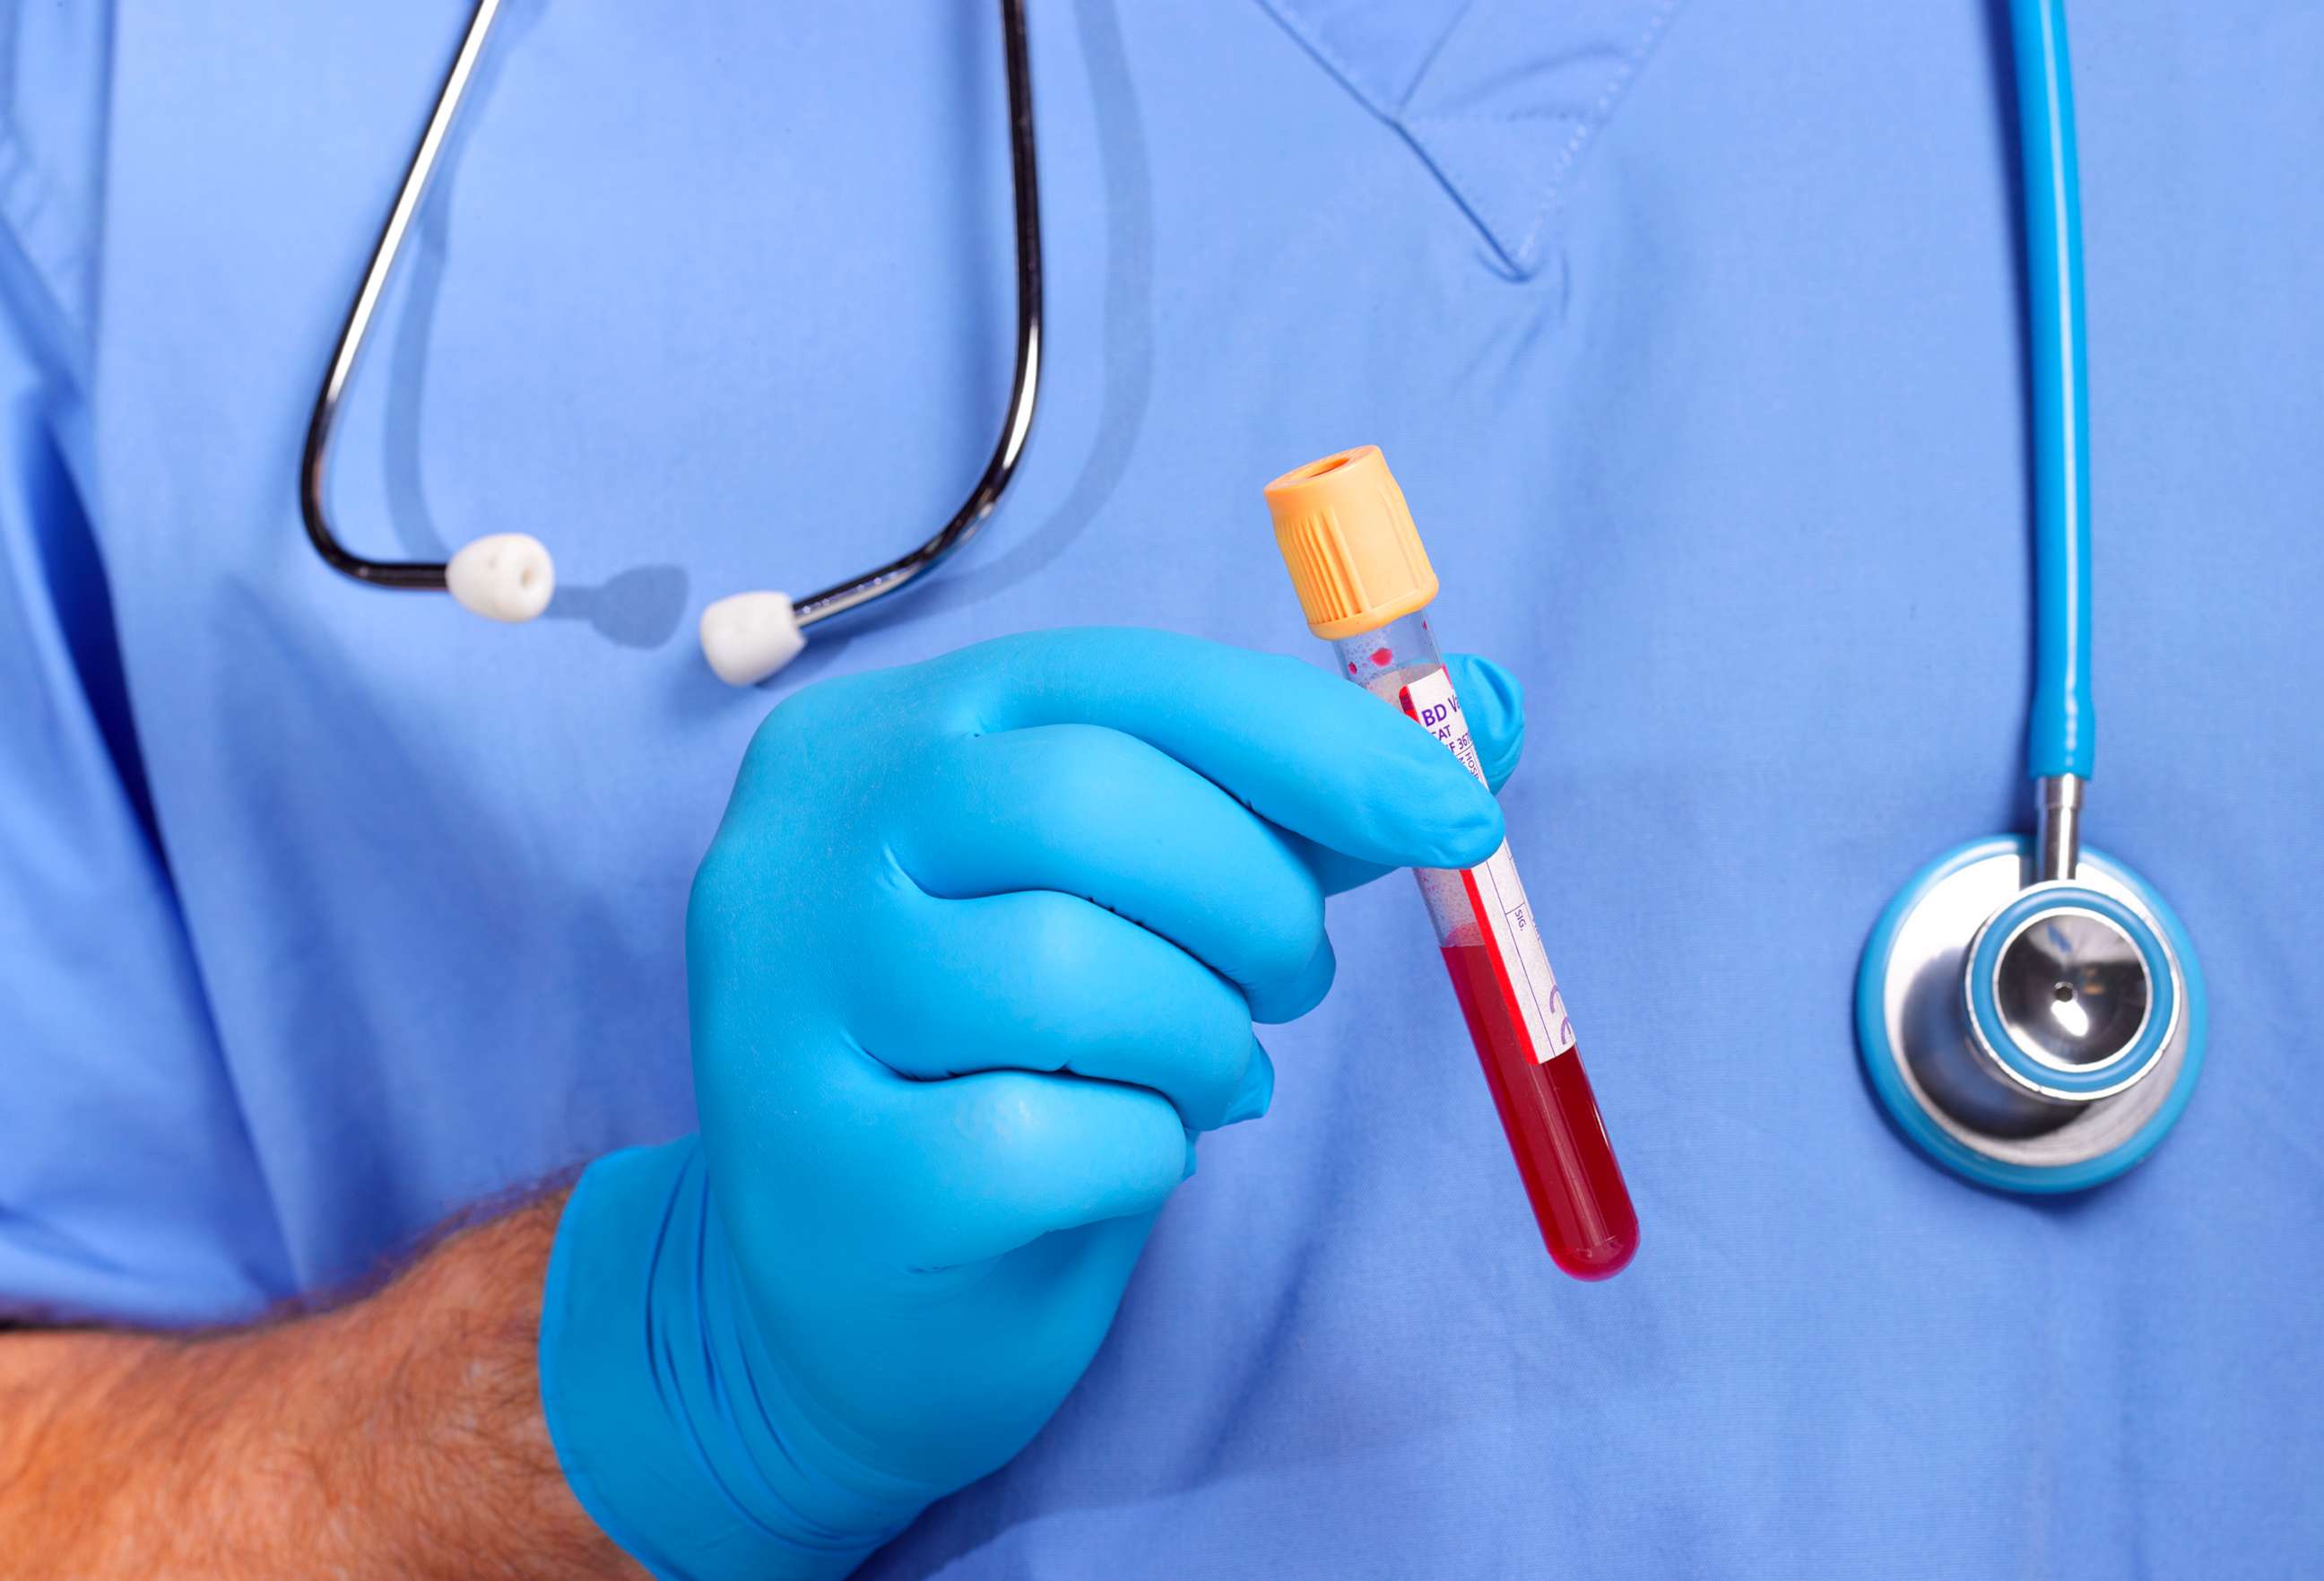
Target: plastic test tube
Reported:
[(1363, 578)]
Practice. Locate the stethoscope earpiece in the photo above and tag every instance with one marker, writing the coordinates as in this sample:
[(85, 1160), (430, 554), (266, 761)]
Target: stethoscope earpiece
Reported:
[(503, 576), (748, 636)]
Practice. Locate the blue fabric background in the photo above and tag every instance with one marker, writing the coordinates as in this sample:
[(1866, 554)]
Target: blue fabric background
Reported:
[(1692, 333)]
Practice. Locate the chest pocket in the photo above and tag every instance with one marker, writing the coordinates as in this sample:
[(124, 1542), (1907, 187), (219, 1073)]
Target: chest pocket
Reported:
[(1502, 99)]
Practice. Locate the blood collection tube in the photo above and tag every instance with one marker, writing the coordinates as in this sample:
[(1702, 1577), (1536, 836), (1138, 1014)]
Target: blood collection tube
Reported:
[(1364, 581)]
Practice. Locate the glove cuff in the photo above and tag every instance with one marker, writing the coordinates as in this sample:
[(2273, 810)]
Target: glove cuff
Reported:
[(675, 1445)]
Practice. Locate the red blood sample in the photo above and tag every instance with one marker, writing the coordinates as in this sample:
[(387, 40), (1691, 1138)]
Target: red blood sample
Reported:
[(1551, 1117)]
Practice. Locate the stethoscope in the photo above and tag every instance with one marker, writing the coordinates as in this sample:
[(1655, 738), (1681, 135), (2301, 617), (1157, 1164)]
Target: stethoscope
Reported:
[(510, 577), (2030, 1013)]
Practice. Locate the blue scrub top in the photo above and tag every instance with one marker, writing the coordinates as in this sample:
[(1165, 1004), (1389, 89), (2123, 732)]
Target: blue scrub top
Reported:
[(1694, 334)]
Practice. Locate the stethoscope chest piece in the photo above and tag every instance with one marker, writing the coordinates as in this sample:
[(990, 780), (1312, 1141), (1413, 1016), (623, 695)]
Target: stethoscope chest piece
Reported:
[(2036, 1038)]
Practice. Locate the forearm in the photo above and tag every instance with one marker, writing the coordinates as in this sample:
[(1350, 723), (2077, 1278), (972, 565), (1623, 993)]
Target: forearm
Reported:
[(399, 1435)]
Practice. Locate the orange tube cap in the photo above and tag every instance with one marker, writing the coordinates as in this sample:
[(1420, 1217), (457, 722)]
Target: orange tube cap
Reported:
[(1349, 543)]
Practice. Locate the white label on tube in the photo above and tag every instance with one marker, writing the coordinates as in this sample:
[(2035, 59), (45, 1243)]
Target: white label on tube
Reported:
[(1496, 894)]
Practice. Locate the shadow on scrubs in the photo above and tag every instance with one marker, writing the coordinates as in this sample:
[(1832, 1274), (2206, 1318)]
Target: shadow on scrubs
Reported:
[(2003, 79), (1126, 365), (637, 608), (1125, 361), (1127, 355)]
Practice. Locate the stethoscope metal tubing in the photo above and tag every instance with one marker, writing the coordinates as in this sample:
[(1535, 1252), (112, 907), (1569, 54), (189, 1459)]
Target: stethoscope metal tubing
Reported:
[(1016, 422), (314, 463)]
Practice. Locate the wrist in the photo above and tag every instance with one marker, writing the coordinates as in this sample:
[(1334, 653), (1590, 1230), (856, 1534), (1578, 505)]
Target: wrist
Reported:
[(669, 1416)]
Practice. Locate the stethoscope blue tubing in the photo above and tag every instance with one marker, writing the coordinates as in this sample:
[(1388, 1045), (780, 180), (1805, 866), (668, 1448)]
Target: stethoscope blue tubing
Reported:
[(2061, 729), (1888, 1080)]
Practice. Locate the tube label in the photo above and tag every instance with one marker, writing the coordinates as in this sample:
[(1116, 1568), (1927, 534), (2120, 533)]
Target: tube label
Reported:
[(1505, 917)]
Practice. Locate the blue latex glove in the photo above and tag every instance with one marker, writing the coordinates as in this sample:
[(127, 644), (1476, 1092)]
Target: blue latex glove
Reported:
[(975, 956)]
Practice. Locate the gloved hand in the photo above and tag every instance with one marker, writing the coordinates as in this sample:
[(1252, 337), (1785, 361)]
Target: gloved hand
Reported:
[(975, 955)]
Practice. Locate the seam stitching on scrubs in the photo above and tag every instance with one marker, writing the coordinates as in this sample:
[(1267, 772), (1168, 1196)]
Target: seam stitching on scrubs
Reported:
[(1427, 62), (1439, 117), (1519, 260), (1395, 120), (1601, 112)]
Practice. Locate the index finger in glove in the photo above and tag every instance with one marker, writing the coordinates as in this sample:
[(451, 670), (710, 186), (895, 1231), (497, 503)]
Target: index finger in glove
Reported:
[(1492, 704), (1303, 749)]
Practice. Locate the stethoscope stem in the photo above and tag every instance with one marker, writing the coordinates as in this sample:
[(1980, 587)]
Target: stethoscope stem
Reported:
[(2057, 827)]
